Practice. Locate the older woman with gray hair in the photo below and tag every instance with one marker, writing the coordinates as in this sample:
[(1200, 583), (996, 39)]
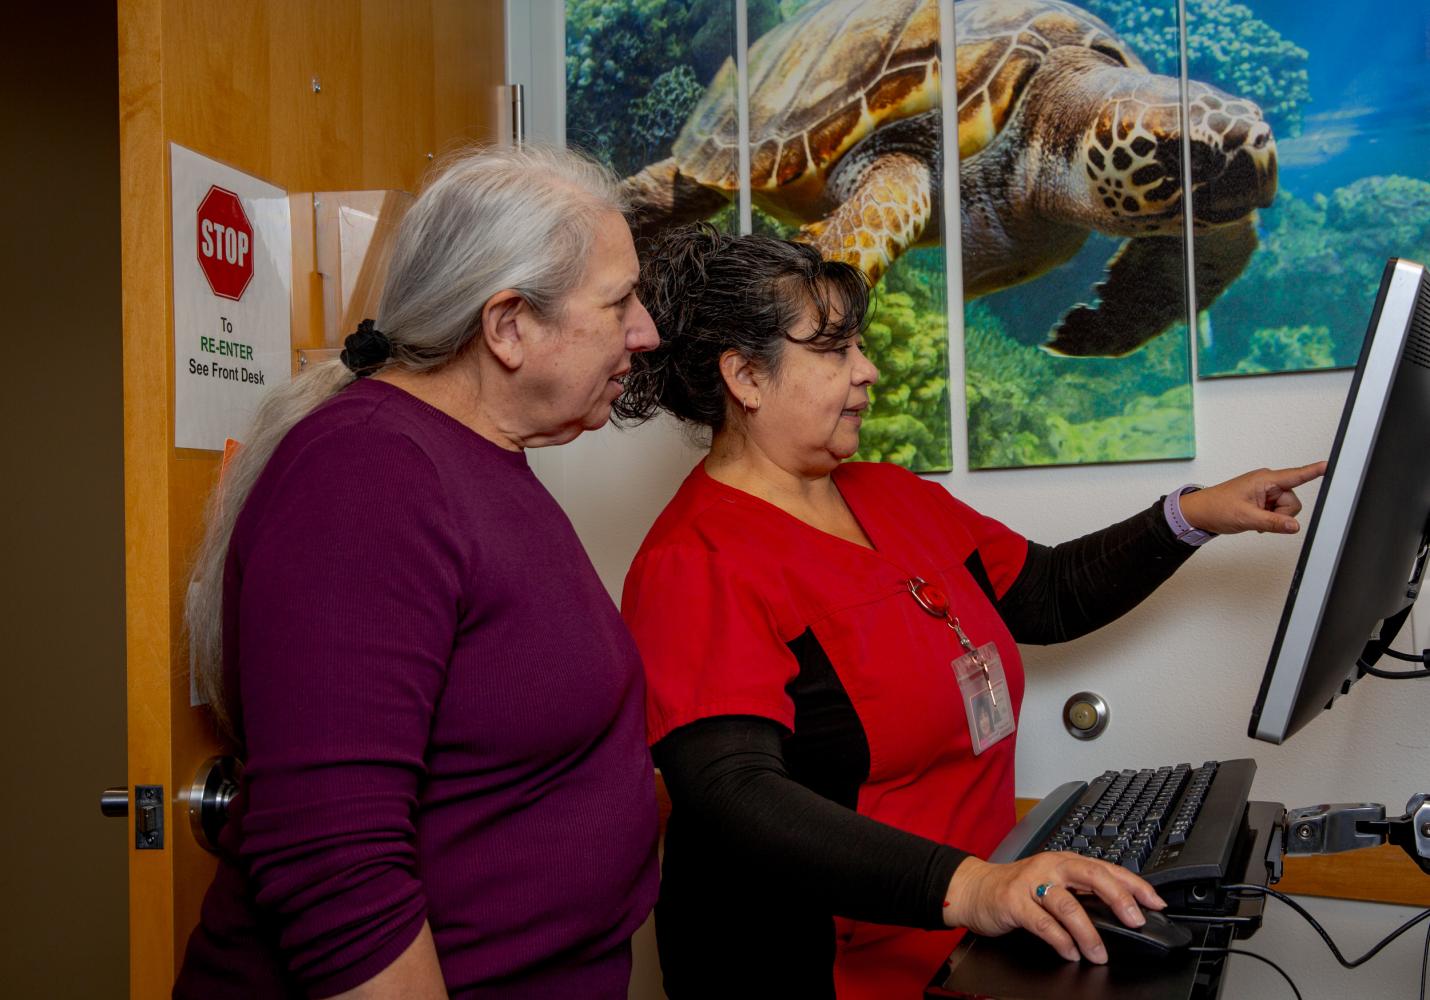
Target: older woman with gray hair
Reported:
[(446, 788)]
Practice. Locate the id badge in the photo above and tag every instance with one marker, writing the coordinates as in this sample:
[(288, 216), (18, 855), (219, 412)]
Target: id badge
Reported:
[(986, 701)]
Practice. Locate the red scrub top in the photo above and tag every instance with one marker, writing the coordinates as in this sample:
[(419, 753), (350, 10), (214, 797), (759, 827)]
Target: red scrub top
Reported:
[(725, 580)]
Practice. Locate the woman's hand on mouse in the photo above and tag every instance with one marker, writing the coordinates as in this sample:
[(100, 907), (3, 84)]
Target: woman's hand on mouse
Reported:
[(1261, 500), (1036, 894)]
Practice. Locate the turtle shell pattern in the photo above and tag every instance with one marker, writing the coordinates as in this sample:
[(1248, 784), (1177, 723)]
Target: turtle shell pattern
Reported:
[(822, 81), (1002, 44), (819, 83)]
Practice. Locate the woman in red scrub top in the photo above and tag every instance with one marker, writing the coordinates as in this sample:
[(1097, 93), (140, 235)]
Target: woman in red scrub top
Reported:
[(831, 653)]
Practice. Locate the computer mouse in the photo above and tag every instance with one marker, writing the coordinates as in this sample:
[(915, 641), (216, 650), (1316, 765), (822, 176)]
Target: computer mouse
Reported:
[(1157, 938)]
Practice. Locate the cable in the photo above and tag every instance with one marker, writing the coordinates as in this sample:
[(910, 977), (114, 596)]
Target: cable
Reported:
[(1394, 675), (1424, 958), (1345, 963), (1259, 958), (1380, 646)]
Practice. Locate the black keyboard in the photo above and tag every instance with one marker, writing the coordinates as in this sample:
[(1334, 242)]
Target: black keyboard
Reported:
[(1179, 827)]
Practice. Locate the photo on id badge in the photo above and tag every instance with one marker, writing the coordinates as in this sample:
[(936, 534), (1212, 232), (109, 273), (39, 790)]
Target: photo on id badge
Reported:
[(986, 701)]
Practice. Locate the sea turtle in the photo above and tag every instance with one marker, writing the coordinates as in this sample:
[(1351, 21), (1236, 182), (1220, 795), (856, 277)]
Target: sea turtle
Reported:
[(1062, 130)]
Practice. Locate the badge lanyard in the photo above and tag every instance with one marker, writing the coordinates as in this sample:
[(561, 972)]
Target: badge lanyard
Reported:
[(979, 673), (935, 602)]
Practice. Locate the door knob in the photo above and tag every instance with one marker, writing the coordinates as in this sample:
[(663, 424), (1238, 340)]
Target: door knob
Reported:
[(114, 802), (213, 788)]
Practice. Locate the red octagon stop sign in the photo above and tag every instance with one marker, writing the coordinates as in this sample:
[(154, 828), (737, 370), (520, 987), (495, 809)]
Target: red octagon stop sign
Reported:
[(225, 243)]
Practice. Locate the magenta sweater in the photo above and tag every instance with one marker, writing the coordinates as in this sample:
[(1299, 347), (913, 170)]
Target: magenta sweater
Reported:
[(442, 717)]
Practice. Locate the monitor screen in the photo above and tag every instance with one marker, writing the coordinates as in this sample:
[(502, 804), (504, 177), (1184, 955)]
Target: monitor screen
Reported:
[(1364, 552)]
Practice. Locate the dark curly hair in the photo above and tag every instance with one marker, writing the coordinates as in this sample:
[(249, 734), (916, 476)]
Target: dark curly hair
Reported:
[(710, 292)]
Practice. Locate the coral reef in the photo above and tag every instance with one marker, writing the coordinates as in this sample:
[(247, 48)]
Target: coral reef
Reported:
[(658, 116), (1286, 348), (620, 53), (1026, 407), (907, 337), (1148, 427), (1304, 299)]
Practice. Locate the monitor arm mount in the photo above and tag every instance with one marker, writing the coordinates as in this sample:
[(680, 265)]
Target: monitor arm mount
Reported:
[(1349, 826)]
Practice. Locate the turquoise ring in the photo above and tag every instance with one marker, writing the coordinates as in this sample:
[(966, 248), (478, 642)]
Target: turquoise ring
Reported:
[(1042, 890)]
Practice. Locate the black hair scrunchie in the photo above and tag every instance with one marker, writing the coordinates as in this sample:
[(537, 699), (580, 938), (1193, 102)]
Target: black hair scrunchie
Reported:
[(365, 350)]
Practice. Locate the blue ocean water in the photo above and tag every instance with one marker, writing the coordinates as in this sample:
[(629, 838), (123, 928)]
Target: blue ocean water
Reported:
[(1369, 112), (1354, 189)]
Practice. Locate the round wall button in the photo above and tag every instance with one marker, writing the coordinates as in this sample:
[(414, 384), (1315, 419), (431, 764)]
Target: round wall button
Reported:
[(1085, 715)]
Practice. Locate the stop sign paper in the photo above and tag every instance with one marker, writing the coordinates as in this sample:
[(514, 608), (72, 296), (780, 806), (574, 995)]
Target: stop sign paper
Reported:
[(225, 243), (233, 278)]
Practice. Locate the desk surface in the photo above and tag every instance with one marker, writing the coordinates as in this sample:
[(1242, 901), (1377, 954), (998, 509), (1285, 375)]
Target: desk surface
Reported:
[(1020, 967)]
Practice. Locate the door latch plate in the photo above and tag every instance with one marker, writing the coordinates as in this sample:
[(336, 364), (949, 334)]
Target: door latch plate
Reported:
[(148, 817)]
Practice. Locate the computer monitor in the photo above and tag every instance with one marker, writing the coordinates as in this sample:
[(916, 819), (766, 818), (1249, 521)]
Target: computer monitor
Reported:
[(1364, 552)]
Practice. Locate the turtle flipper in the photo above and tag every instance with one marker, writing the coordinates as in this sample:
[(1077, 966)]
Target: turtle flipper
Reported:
[(660, 196), (884, 216), (1143, 292), (1221, 255)]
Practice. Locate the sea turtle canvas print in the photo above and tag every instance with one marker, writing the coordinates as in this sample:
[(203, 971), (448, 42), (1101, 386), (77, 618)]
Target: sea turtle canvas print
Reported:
[(1062, 131), (1074, 161)]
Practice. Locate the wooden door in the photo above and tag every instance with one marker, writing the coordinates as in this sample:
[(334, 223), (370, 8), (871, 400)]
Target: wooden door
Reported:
[(310, 95)]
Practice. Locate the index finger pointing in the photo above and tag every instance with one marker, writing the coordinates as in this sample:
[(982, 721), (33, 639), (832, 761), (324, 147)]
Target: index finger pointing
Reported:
[(1291, 478)]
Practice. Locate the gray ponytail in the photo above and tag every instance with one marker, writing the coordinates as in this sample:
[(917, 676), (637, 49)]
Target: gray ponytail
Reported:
[(522, 218)]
